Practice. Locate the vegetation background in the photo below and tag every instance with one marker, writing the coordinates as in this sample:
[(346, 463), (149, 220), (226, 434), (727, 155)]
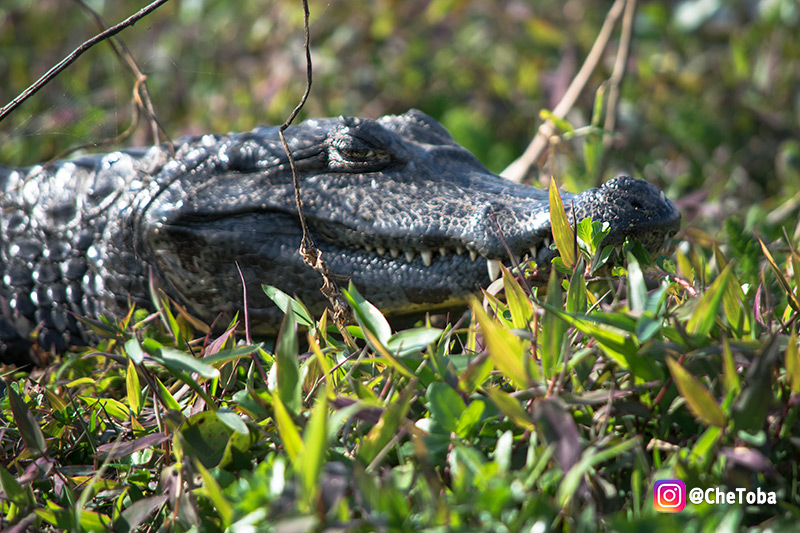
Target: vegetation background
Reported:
[(709, 111)]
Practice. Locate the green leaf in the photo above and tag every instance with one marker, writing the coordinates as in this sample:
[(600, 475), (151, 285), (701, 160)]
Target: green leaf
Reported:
[(214, 492), (445, 404), (367, 315), (591, 458), (12, 490), (286, 302), (232, 420), (166, 396), (637, 290), (315, 449), (411, 341), (386, 428), (558, 122), (698, 398), (705, 313), (117, 409), (27, 425), (519, 305), (134, 351), (510, 406), (223, 356), (576, 295), (289, 384), (563, 235), (506, 350), (469, 418), (182, 362), (288, 432), (552, 336)]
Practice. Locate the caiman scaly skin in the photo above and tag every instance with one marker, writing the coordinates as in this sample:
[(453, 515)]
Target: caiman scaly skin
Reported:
[(394, 204)]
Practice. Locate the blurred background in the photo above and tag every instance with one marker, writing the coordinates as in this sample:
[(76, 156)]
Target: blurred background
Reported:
[(710, 106)]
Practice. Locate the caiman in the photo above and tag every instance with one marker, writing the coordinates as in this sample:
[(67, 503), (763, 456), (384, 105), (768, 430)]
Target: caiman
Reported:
[(395, 204)]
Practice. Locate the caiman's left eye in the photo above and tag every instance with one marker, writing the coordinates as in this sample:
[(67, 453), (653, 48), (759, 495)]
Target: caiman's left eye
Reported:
[(354, 149)]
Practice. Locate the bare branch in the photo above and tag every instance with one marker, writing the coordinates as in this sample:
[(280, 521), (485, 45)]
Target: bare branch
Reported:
[(67, 61), (523, 168), (618, 74)]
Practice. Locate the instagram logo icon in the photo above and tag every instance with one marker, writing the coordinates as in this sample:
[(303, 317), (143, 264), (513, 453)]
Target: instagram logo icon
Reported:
[(669, 496)]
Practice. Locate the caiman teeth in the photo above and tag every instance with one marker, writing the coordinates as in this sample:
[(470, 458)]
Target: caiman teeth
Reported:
[(661, 196), (460, 250), (493, 266), (442, 251), (427, 257), (367, 247), (409, 256), (534, 252), (394, 251), (380, 250), (473, 255), (547, 242)]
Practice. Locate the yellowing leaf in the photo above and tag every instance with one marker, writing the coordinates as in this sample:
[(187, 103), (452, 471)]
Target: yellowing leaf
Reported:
[(506, 349), (793, 363), (698, 398), (563, 235)]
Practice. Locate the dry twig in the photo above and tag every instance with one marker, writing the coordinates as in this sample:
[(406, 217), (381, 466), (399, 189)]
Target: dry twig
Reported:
[(67, 61), (522, 169)]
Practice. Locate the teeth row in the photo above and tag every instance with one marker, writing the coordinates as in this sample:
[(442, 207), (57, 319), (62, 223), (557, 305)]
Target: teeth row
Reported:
[(492, 265)]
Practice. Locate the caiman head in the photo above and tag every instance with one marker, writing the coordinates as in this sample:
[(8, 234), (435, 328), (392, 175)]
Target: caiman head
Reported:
[(414, 219)]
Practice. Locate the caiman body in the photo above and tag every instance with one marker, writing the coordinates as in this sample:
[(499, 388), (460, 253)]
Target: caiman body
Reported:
[(394, 204)]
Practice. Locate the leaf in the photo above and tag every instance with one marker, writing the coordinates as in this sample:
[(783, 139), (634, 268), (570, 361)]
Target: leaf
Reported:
[(288, 432), (315, 449), (793, 362), (553, 332), (705, 313), (133, 516), (133, 388), (181, 362), (286, 302), (558, 122), (506, 350), (445, 404), (637, 290), (790, 296), (697, 396), (563, 235), (287, 366), (576, 294), (367, 315), (386, 428), (12, 490), (134, 351), (223, 356), (27, 425), (510, 406), (411, 341), (591, 458), (519, 305), (469, 418), (214, 493)]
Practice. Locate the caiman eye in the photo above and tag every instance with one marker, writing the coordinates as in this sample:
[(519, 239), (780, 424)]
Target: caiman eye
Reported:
[(351, 149)]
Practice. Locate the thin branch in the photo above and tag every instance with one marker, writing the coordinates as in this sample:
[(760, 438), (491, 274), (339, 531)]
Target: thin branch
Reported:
[(141, 96), (67, 61), (618, 75), (523, 168), (311, 255)]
